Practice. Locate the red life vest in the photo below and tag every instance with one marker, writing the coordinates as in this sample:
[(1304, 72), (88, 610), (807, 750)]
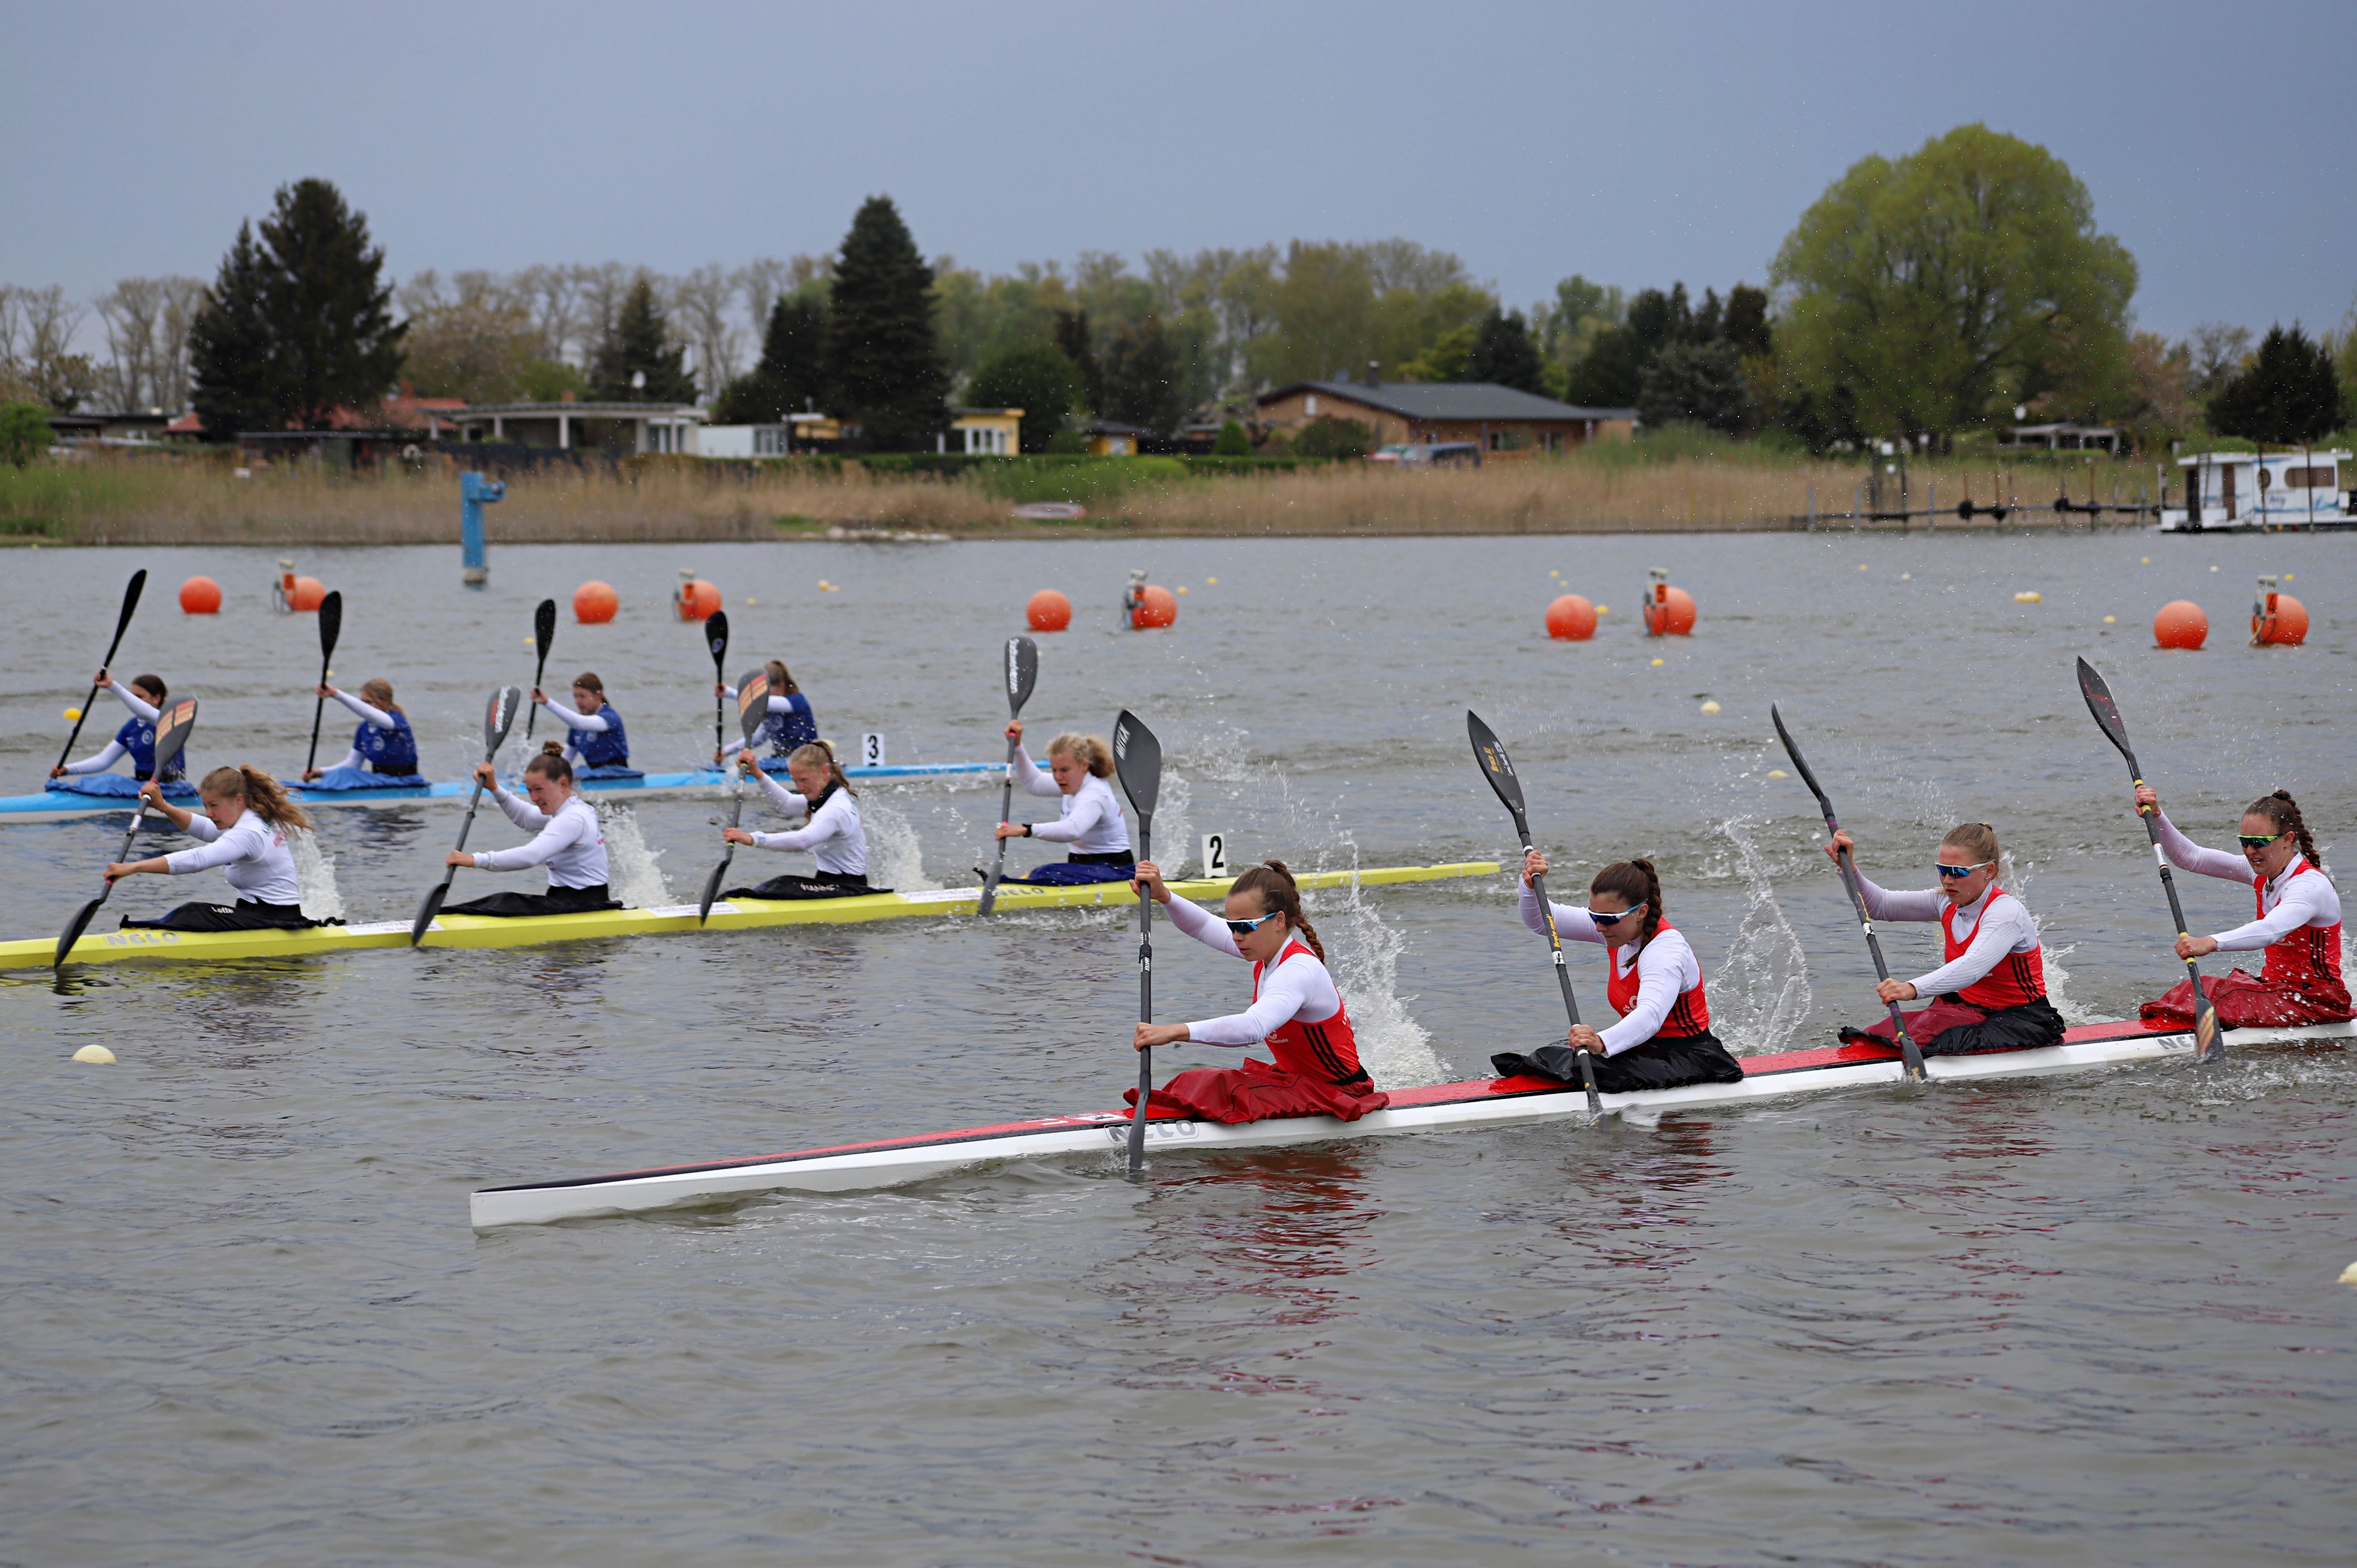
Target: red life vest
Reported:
[(2020, 978), (1328, 1051), (1688, 1015), (2310, 956)]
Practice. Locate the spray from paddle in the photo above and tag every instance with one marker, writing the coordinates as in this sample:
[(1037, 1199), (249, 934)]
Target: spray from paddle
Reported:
[(172, 727)]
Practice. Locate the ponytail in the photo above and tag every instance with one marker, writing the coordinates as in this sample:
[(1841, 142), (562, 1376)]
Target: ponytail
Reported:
[(2283, 811), (1089, 750), (378, 692), (781, 684), (1635, 882), (552, 763), (259, 791), (1279, 895), (820, 754)]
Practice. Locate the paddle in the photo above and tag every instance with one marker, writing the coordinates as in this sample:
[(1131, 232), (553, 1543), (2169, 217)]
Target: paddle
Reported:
[(544, 633), (331, 625), (715, 636), (1137, 759), (498, 717), (1022, 670), (1907, 1048), (172, 726), (1498, 769), (122, 622), (752, 712), (2209, 1043)]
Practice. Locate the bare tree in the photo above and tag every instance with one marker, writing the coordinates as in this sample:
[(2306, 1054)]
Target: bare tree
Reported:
[(600, 291), (553, 294), (761, 281), (37, 358), (183, 298), (703, 301)]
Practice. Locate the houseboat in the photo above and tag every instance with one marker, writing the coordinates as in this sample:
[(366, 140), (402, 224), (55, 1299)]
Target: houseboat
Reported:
[(2253, 493)]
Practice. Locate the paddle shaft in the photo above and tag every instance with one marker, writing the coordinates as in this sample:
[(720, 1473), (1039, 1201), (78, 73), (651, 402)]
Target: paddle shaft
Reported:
[(1144, 998), (531, 720), (327, 634), (1006, 805), (728, 851), (2207, 1042), (1562, 969), (122, 624), (1908, 1048)]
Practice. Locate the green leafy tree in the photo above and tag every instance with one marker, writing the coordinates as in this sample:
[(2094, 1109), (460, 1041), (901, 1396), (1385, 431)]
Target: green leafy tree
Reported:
[(547, 380), (792, 373), (1612, 373), (471, 339), (1696, 384), (1942, 288), (2289, 393), (1079, 344), (1142, 381), (1231, 441), (334, 343), (1447, 358), (1037, 377), (1503, 353), (232, 369), (1327, 436), (883, 364), (25, 431), (639, 344)]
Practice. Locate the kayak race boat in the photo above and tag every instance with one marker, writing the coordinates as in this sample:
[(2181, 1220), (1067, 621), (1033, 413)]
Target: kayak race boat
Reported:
[(58, 805), (728, 915), (1478, 1102)]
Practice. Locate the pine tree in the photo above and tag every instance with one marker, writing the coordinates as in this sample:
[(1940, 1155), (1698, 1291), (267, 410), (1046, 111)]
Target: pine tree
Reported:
[(791, 372), (1503, 353), (334, 343), (640, 344), (230, 363), (886, 370), (2288, 394)]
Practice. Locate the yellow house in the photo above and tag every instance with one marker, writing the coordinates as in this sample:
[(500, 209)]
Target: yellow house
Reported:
[(1110, 439), (986, 431)]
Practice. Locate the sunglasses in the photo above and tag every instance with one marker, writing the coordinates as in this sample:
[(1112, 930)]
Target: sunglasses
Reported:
[(1246, 928), (1610, 916), (1958, 872), (2257, 841)]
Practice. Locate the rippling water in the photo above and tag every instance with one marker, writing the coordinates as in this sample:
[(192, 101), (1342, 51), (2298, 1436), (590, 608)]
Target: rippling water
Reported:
[(2081, 1319)]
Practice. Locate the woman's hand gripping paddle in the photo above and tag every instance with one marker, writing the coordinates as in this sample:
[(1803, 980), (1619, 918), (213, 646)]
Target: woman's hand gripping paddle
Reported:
[(1908, 1051), (1137, 759), (2209, 1041), (716, 638), (172, 726), (122, 622), (1498, 769), (331, 625), (752, 712), (498, 717), (544, 633), (1022, 670)]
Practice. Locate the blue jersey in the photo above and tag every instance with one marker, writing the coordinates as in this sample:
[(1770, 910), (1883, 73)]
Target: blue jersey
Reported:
[(137, 736), (611, 748), (795, 727), (391, 751)]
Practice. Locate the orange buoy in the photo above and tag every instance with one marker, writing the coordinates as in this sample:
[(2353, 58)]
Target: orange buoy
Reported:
[(1155, 607), (2280, 620), (1048, 611), (306, 595), (200, 596), (1669, 612), (1572, 618), (594, 604), (695, 600), (2180, 624)]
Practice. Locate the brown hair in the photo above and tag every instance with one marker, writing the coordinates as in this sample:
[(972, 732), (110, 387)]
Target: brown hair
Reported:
[(377, 691), (552, 763), (586, 678), (1635, 883), (1976, 839), (2280, 810), (820, 754), (151, 684), (1278, 895), (1090, 751), (781, 683), (260, 792)]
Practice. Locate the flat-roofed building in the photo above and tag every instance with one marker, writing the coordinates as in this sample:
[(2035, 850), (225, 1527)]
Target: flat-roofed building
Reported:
[(1496, 418)]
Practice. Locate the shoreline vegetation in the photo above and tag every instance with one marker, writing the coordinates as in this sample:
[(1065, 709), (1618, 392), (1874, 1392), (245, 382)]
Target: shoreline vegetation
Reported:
[(1679, 487)]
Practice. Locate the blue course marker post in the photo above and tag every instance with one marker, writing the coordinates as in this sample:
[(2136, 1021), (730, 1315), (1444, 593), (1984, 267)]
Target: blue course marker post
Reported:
[(474, 493)]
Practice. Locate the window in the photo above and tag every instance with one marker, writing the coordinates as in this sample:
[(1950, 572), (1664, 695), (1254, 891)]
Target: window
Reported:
[(2316, 478), (1309, 406), (769, 441)]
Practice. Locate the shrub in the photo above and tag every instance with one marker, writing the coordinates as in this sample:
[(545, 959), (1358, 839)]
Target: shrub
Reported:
[(23, 431), (1327, 436), (1232, 442)]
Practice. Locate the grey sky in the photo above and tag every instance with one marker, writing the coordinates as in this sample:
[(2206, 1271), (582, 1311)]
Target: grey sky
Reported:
[(1637, 144)]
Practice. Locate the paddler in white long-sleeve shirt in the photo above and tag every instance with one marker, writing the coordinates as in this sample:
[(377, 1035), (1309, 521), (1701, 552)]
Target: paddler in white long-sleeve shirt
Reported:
[(144, 695), (567, 839), (1296, 1010), (384, 748), (594, 735), (244, 830), (1990, 993), (1079, 771), (2297, 924), (1653, 981), (832, 834)]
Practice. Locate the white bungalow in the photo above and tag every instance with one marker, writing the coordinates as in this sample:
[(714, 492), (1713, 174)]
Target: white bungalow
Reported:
[(2244, 491)]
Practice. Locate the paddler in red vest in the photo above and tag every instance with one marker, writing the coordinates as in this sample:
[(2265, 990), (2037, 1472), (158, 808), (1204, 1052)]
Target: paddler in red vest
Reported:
[(2298, 924), (1663, 1038), (1296, 1009), (1990, 994)]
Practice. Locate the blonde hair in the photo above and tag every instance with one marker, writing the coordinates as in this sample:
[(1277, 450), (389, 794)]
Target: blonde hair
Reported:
[(781, 684), (377, 691), (1976, 839), (1089, 750), (820, 754), (260, 792)]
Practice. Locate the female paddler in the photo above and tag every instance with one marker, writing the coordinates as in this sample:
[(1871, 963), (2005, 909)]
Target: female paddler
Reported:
[(593, 737), (136, 739), (1991, 990), (1663, 1038), (1080, 767), (244, 830), (384, 748), (2297, 924), (832, 834), (567, 839), (789, 725), (1296, 1009)]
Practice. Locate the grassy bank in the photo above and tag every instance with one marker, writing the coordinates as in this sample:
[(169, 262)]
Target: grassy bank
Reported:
[(1657, 485)]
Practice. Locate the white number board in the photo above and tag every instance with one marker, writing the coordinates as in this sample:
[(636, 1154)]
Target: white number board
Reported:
[(1215, 854), (871, 751)]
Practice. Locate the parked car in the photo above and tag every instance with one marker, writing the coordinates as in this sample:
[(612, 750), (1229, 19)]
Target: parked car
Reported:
[(1429, 455)]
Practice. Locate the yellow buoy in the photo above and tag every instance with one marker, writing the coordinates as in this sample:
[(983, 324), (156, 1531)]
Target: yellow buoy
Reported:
[(1861, 565), (2111, 621), (2348, 1275), (1604, 609), (1710, 707), (1778, 773), (2145, 562), (751, 602), (1182, 587), (73, 716), (1657, 662), (1552, 572), (96, 1054), (1906, 576), (1212, 581), (2288, 577), (2030, 597)]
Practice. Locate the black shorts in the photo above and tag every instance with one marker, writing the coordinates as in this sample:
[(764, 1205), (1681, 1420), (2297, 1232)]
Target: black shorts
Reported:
[(1659, 1063), (555, 901), (245, 914), (823, 885)]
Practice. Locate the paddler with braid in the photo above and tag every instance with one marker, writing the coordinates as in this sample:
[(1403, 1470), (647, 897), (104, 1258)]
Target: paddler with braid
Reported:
[(2298, 923), (1655, 981), (1990, 991), (1296, 1010)]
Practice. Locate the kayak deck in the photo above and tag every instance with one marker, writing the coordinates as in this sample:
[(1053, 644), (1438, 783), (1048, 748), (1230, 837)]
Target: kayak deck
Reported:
[(728, 915), (1477, 1102)]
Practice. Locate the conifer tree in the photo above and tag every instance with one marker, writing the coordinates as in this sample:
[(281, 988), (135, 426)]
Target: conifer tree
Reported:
[(230, 363), (334, 341), (791, 371), (886, 373), (1503, 353), (2288, 394), (1142, 382), (640, 344)]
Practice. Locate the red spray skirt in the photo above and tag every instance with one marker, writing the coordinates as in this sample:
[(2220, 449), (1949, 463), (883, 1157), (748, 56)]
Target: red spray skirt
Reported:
[(2247, 1001), (1254, 1092)]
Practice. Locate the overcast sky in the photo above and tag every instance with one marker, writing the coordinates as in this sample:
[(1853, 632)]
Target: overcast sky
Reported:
[(1635, 144)]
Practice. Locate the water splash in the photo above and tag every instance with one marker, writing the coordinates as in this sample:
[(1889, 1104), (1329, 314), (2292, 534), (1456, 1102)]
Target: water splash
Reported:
[(1760, 997), (1393, 1047), (314, 873), (896, 858), (1173, 836), (630, 869)]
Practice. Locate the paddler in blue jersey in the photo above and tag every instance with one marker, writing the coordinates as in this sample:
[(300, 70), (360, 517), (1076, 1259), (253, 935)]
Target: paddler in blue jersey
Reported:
[(790, 724), (136, 739), (594, 737), (384, 748)]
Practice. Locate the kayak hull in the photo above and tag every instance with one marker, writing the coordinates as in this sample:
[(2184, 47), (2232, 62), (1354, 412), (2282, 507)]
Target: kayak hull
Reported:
[(1474, 1103)]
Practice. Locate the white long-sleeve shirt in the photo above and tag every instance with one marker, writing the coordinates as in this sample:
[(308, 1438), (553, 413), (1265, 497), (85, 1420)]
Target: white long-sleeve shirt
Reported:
[(1667, 969), (1297, 988), (2006, 928), (834, 834), (251, 854), (367, 714), (146, 711), (571, 844), (2290, 900), (1089, 818), (594, 723)]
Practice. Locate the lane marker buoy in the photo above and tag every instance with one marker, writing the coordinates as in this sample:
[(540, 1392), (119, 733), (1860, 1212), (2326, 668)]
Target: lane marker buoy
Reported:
[(94, 1054)]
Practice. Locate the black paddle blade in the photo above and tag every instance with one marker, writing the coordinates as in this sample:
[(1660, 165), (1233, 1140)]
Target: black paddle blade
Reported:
[(331, 622), (1022, 670), (2092, 686), (498, 717), (1137, 760), (1799, 763), (543, 627), (716, 638), (130, 602), (73, 931), (1496, 765), (427, 910)]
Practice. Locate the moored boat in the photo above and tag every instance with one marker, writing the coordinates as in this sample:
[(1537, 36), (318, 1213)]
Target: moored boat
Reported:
[(2245, 492)]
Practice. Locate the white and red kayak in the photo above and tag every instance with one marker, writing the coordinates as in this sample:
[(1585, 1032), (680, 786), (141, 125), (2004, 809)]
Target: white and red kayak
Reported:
[(1478, 1102)]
